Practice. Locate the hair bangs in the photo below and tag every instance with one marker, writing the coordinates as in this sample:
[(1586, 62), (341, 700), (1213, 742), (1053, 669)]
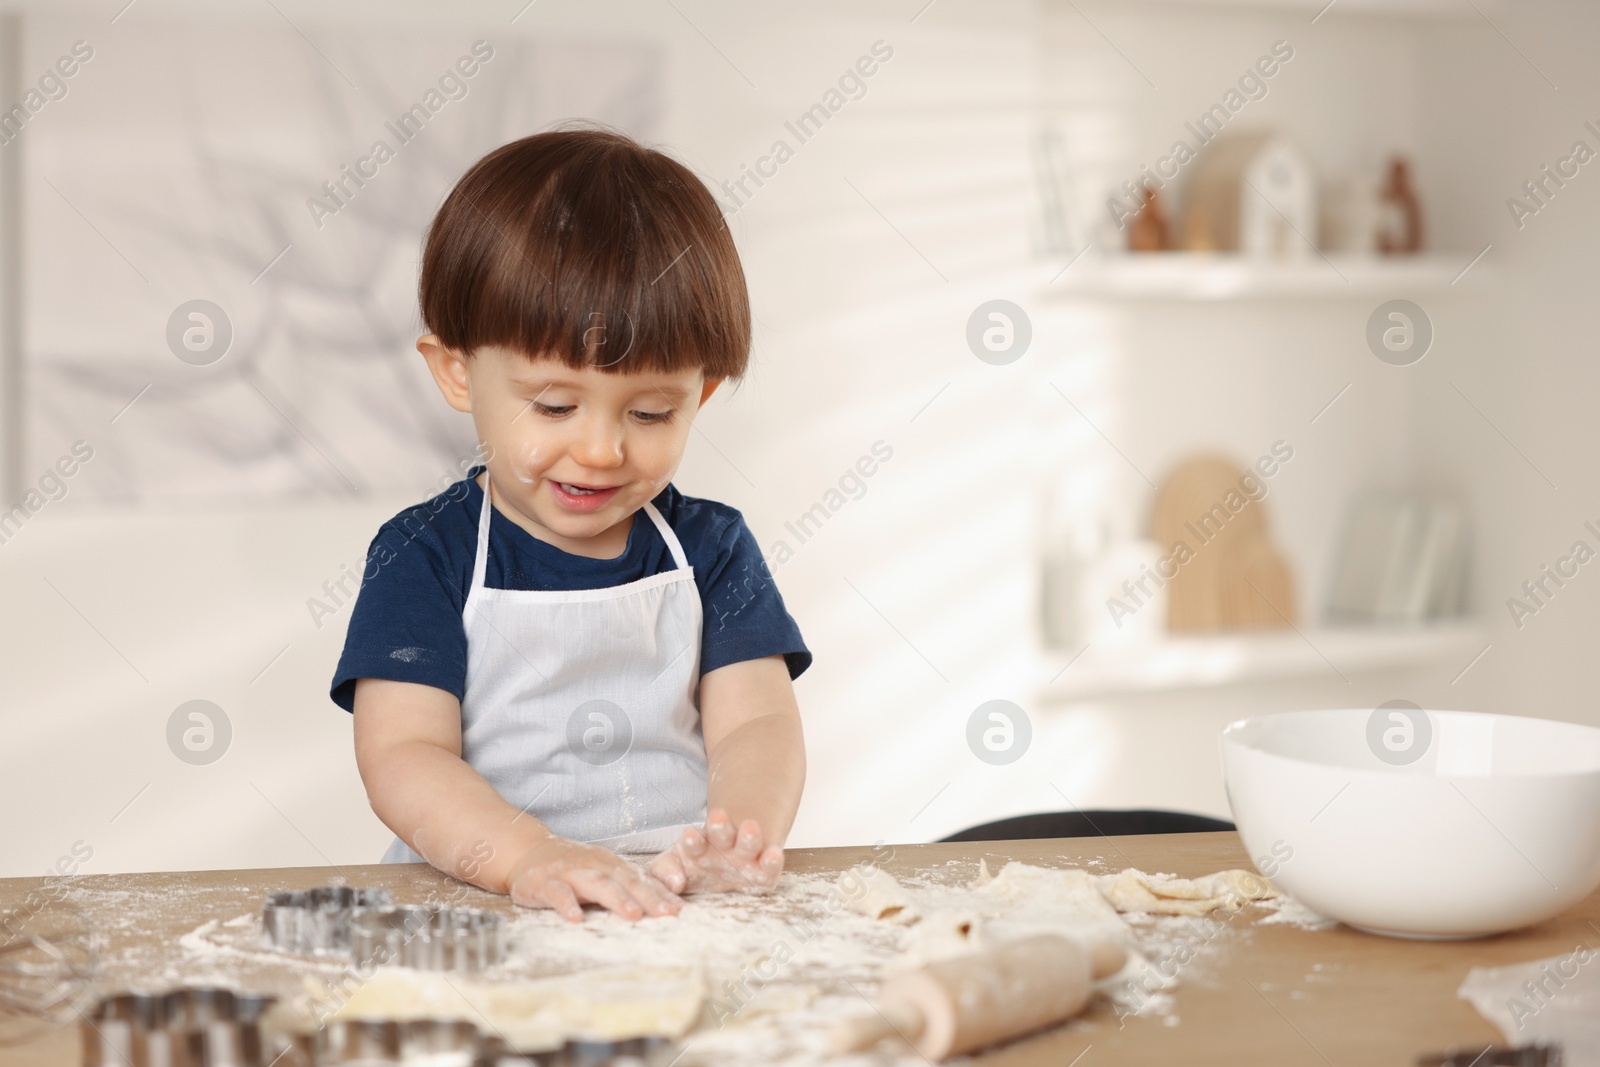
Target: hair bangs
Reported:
[(583, 246)]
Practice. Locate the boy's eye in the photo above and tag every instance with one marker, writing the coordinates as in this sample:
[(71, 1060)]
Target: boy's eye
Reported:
[(557, 411)]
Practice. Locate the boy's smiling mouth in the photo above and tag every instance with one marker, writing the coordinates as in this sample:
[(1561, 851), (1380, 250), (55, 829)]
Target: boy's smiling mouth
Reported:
[(579, 497)]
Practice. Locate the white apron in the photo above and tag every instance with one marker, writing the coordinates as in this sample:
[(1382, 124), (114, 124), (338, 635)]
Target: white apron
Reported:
[(581, 705)]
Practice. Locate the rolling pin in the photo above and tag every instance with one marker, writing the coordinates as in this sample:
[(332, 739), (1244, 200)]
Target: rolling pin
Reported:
[(966, 1003)]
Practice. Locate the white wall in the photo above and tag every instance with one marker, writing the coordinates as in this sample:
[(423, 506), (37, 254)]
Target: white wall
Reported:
[(1528, 360), (856, 332), (919, 599)]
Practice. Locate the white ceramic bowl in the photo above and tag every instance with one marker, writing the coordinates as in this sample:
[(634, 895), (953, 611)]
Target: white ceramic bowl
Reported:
[(1432, 824)]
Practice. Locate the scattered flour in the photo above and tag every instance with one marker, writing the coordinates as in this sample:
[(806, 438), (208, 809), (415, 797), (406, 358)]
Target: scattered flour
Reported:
[(1287, 910), (781, 968)]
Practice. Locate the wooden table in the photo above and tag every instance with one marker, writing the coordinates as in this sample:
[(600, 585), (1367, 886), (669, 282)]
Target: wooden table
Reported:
[(1275, 994)]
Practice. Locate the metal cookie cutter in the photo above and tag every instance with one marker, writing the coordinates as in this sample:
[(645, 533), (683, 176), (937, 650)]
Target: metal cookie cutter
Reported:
[(456, 1043), (316, 920), (187, 1027), (1493, 1056), (633, 1052), (374, 1042), (428, 938)]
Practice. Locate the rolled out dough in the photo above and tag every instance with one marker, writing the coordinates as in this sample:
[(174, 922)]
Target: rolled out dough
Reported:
[(610, 1004)]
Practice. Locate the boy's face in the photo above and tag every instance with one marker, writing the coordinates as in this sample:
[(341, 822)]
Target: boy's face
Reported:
[(574, 453)]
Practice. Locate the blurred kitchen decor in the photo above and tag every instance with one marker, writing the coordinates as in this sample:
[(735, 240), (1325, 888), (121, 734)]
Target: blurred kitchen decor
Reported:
[(1403, 561), (1088, 568), (1400, 220), (1223, 571), (1252, 193), (1208, 563), (1148, 231)]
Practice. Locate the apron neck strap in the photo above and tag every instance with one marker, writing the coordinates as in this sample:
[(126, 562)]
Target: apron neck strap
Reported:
[(480, 560), (673, 544)]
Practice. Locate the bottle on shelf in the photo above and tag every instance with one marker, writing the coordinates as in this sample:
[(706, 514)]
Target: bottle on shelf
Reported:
[(1148, 231), (1400, 214)]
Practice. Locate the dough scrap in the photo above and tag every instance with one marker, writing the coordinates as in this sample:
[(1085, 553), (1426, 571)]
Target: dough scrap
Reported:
[(1070, 893), (882, 898), (608, 1004), (1165, 894), (985, 875)]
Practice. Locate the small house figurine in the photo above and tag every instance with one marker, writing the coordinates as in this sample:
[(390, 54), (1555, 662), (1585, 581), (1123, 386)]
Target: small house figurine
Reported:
[(1253, 193)]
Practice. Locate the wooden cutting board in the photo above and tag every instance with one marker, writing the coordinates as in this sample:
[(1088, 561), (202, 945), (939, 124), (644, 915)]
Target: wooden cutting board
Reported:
[(1229, 576)]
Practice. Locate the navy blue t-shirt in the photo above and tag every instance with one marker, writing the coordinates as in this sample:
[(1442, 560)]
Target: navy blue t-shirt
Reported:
[(406, 624)]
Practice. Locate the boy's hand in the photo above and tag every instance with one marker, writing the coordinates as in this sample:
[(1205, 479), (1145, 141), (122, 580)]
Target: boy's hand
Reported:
[(564, 875), (717, 860)]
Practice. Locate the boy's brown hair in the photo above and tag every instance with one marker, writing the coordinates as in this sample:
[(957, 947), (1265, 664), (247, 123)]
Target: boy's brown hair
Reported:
[(584, 245)]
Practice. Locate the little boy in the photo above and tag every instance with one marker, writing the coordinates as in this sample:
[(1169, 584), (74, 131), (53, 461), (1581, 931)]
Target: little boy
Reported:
[(594, 663)]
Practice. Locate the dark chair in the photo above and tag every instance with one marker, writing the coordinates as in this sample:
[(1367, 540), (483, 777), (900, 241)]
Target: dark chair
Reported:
[(1090, 824)]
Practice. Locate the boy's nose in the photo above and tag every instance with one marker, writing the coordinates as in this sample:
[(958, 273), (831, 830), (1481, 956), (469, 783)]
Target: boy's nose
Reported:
[(599, 444)]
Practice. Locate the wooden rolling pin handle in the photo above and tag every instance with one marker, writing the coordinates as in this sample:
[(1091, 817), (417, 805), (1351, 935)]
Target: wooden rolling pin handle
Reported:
[(969, 1002)]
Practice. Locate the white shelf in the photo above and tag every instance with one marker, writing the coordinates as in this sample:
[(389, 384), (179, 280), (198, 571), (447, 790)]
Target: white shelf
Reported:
[(1220, 276), (1180, 663)]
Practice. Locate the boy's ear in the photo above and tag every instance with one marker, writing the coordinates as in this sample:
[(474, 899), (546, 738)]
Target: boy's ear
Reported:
[(449, 369), (709, 388)]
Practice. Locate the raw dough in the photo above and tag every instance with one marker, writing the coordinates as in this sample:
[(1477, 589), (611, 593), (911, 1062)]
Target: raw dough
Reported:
[(1024, 901), (1165, 894), (883, 897), (605, 1005), (941, 934), (1129, 890), (1020, 901)]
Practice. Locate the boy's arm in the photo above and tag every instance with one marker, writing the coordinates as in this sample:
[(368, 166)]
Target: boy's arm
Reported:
[(754, 746), (408, 749), (756, 756)]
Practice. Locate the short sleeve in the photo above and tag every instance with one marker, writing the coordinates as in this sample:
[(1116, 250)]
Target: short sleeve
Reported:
[(406, 624), (744, 614)]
